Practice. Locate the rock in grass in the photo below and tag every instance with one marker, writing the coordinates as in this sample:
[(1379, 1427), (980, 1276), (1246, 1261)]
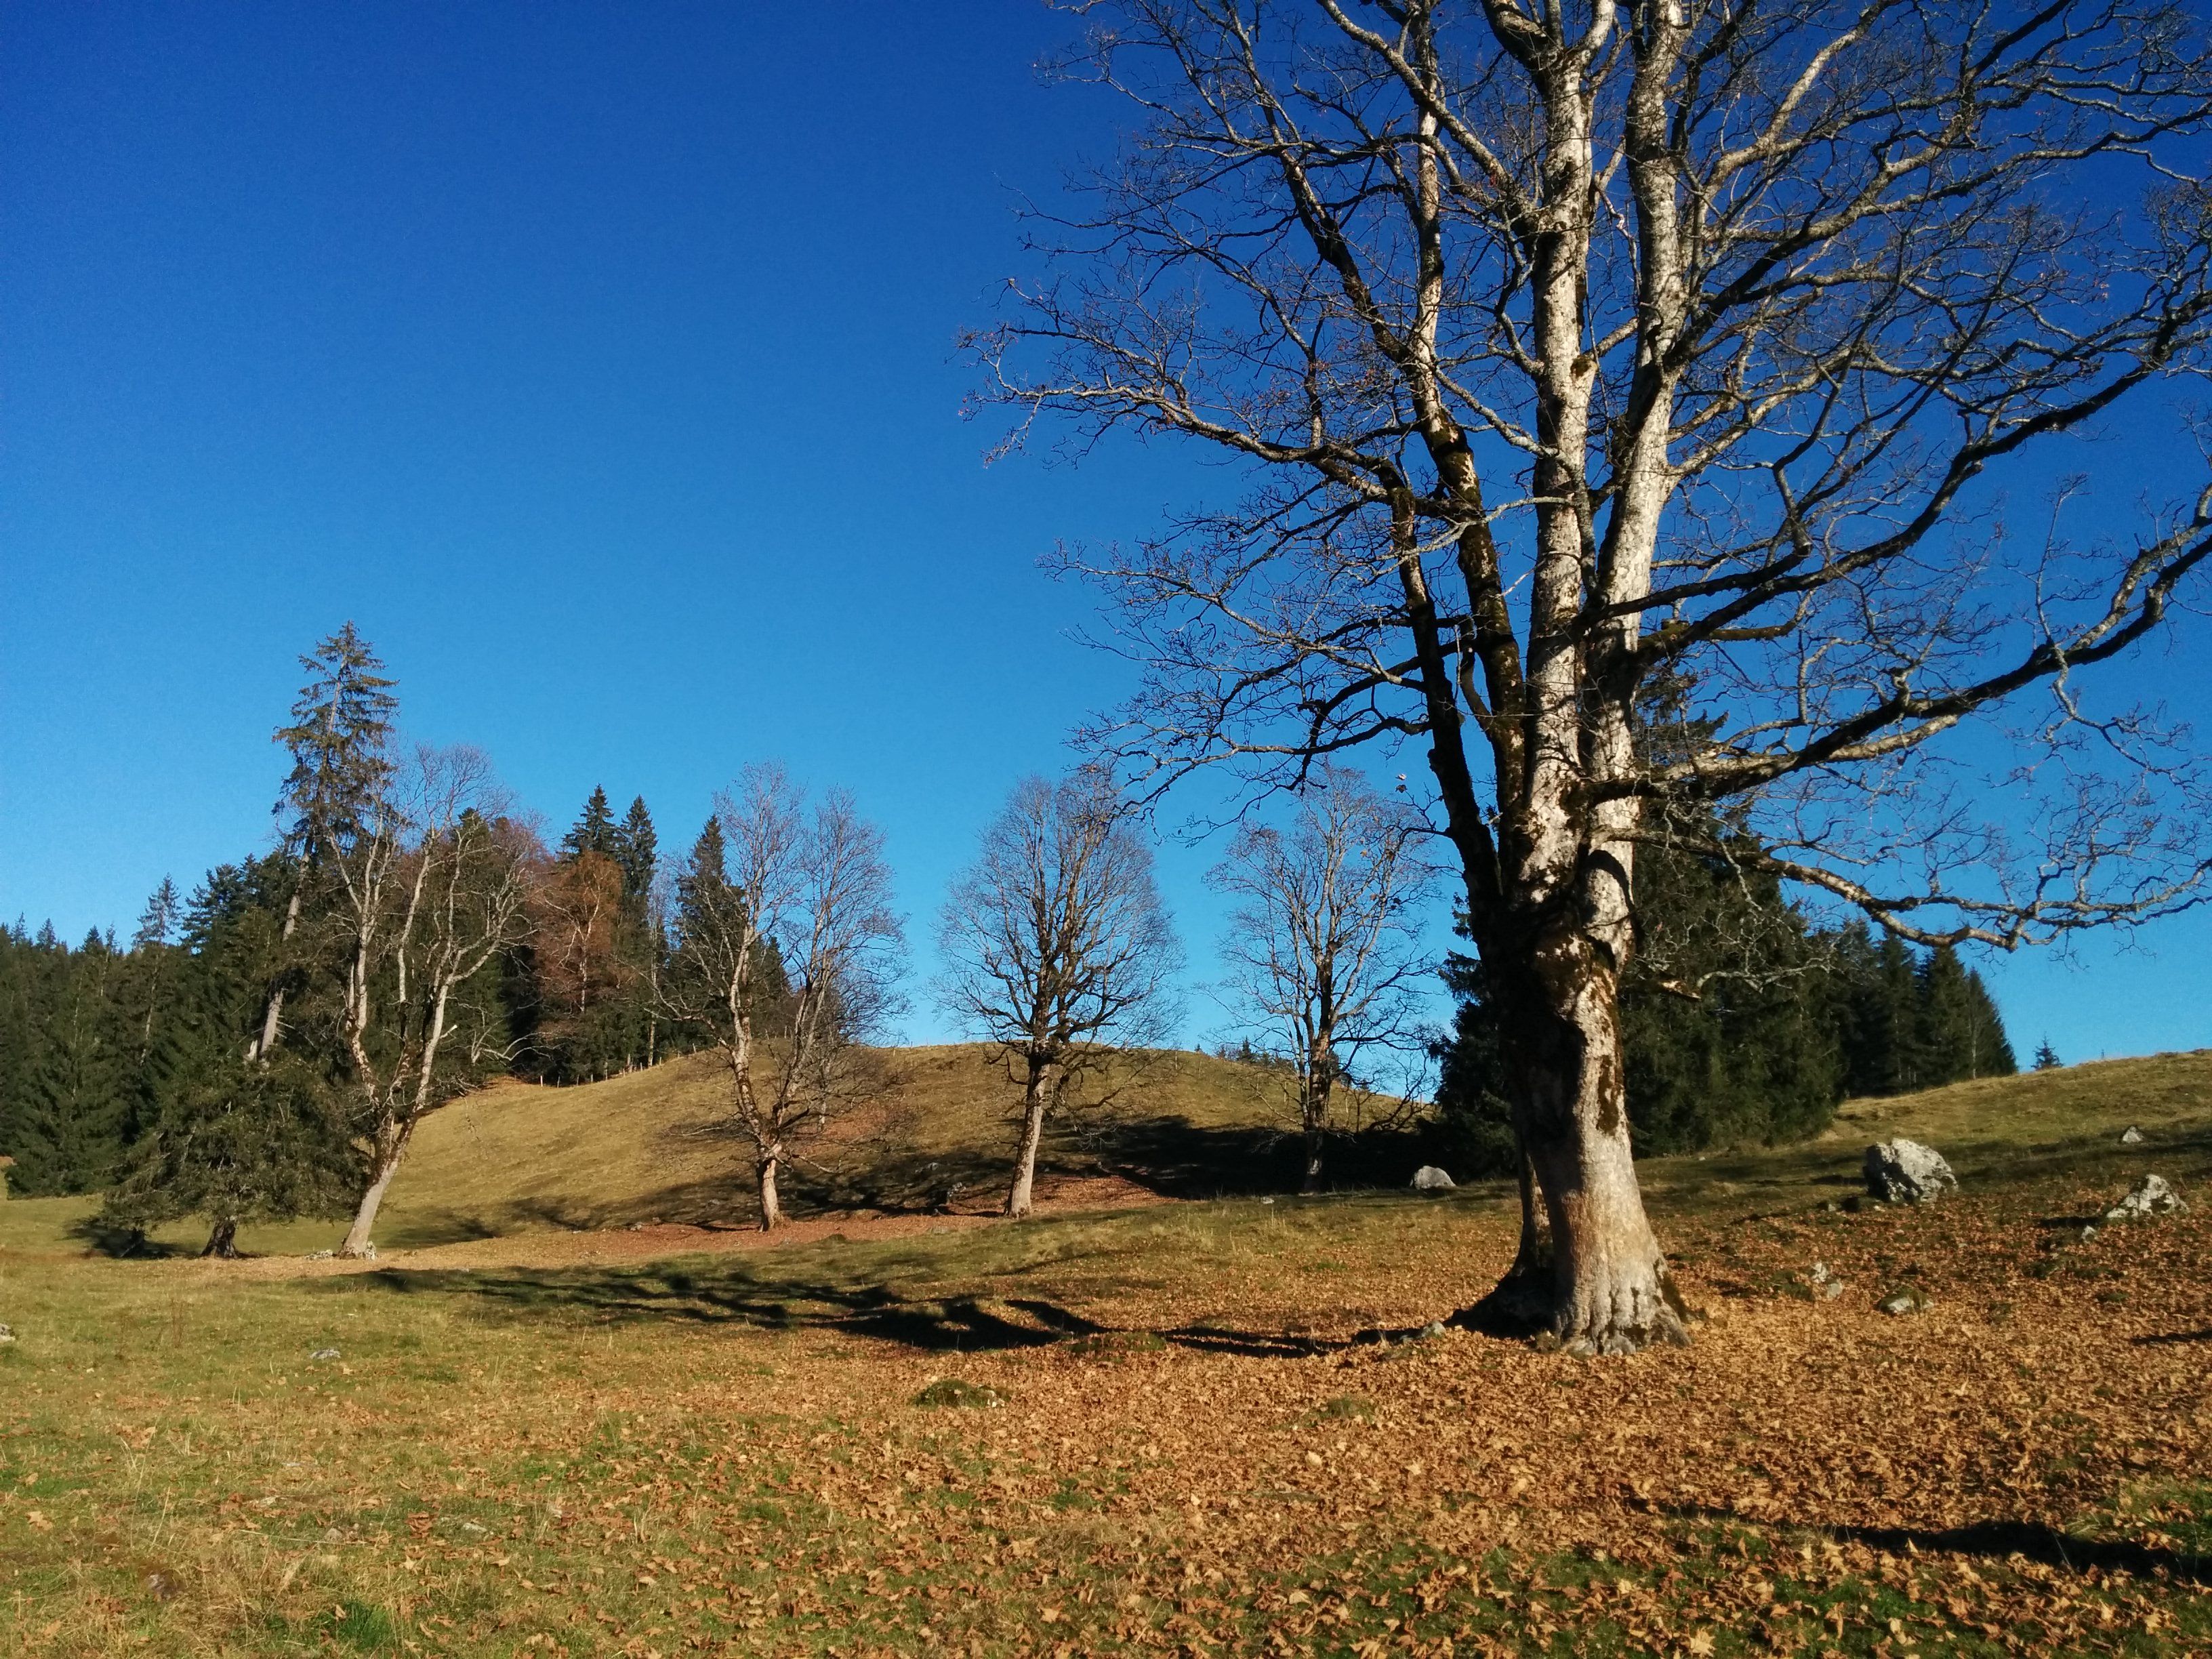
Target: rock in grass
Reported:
[(6, 1335), (324, 1353), (2152, 1195), (2131, 1136), (952, 1391), (1429, 1179), (1906, 1172)]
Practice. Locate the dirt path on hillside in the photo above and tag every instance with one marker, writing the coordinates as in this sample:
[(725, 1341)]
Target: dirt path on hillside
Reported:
[(653, 1242)]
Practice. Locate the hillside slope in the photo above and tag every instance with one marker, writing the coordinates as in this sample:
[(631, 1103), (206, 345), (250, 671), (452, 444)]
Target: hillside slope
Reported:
[(520, 1158), (647, 1147)]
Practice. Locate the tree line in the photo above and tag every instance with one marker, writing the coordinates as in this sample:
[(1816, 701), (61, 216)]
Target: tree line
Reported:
[(269, 1046)]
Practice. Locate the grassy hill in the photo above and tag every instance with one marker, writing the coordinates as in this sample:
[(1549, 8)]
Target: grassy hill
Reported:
[(645, 1147), (648, 1147)]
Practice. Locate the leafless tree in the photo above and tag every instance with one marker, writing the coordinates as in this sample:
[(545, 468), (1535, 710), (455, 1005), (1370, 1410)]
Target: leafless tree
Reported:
[(1571, 345), (1055, 943), (1324, 948), (433, 890), (786, 954)]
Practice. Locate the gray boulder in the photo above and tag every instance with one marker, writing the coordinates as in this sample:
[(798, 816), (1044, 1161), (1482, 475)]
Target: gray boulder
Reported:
[(6, 1335), (1906, 1172), (2152, 1195), (1905, 1299), (1429, 1179), (2131, 1136), (1824, 1283)]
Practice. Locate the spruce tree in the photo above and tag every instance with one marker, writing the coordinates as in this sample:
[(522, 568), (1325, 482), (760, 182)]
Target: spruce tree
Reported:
[(635, 849), (158, 922), (339, 739), (65, 1069), (228, 1138), (2046, 1057), (595, 830), (239, 1142)]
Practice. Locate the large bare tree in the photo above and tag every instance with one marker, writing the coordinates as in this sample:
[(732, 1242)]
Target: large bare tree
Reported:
[(786, 956), (1324, 946), (433, 890), (1055, 943), (1570, 343)]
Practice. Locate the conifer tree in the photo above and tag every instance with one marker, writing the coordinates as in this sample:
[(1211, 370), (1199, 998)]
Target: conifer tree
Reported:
[(339, 741), (222, 1137), (635, 850), (157, 923), (1988, 1050), (71, 1117), (2046, 1057), (595, 830)]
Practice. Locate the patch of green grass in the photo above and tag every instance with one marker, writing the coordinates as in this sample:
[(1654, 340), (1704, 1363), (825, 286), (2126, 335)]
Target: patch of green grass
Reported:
[(952, 1391)]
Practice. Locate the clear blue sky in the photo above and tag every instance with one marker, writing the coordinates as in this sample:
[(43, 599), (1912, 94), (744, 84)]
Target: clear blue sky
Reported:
[(599, 361)]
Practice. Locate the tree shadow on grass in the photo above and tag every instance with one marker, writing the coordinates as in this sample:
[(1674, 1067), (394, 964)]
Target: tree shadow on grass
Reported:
[(125, 1244), (737, 1298), (967, 1324), (1999, 1540)]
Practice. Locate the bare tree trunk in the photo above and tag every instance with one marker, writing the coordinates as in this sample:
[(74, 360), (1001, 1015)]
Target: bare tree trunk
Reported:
[(771, 1206), (1607, 1289), (222, 1240), (391, 1147), (1035, 1093), (268, 1038), (1316, 1115)]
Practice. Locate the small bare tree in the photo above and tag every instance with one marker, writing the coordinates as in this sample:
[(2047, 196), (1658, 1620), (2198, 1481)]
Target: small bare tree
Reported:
[(1568, 346), (785, 957), (1055, 944), (433, 889), (1324, 948)]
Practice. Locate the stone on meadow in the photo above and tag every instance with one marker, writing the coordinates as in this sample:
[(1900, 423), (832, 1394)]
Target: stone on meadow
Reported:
[(6, 1335), (2131, 1136), (1906, 1172), (2152, 1195), (1429, 1179)]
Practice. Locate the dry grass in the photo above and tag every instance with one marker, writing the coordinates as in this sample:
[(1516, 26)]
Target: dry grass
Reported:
[(723, 1454)]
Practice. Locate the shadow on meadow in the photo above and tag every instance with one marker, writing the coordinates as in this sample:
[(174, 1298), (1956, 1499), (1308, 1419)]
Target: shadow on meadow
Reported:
[(1995, 1540), (966, 1323)]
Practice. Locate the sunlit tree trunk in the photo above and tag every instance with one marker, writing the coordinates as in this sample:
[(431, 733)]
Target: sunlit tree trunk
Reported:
[(771, 1204), (391, 1150), (1320, 1078), (1036, 1099), (274, 1011)]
